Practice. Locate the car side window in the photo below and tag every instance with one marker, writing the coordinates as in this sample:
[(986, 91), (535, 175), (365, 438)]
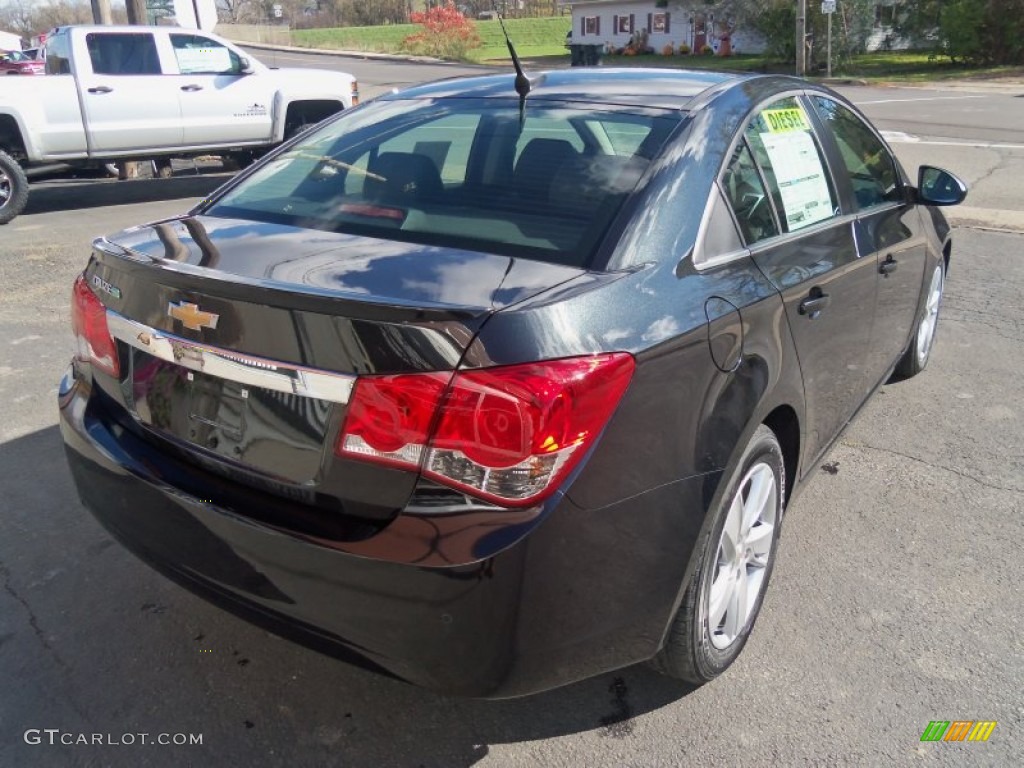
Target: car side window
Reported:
[(198, 55), (123, 53), (748, 197), (58, 55), (787, 152), (871, 168)]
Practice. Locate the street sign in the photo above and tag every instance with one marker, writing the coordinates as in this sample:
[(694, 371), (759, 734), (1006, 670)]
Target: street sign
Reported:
[(278, 11), (828, 6)]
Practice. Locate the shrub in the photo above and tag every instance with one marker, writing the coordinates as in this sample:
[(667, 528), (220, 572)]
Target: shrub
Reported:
[(447, 33), (684, 49), (707, 50), (669, 49)]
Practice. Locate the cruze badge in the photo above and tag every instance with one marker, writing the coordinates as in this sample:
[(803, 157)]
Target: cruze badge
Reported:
[(108, 288), (191, 316)]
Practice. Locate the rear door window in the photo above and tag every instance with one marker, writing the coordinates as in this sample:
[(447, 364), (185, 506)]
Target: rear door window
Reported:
[(748, 197), (122, 53), (792, 164)]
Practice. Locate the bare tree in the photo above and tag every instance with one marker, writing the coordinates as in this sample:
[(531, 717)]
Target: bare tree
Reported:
[(18, 16), (236, 11)]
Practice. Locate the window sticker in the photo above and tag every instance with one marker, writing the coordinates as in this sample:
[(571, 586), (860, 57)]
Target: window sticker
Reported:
[(784, 120), (197, 60), (801, 178)]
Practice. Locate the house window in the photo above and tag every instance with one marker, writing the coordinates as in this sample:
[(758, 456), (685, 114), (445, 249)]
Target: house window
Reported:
[(659, 22), (624, 25), (885, 15), (591, 25)]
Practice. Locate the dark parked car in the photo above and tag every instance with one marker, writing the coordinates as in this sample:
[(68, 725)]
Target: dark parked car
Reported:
[(496, 395)]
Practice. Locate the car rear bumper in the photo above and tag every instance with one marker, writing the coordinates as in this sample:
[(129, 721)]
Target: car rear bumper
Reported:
[(583, 591)]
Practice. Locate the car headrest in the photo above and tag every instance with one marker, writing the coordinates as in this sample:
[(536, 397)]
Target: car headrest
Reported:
[(404, 177)]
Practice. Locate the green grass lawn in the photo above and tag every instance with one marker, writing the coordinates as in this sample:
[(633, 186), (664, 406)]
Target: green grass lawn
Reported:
[(915, 66), (542, 42), (532, 37)]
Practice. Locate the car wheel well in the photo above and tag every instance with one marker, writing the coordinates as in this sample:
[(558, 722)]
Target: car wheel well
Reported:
[(784, 423), (11, 141), (304, 113)]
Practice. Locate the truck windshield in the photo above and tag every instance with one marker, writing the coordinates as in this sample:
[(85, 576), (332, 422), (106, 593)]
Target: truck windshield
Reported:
[(465, 173)]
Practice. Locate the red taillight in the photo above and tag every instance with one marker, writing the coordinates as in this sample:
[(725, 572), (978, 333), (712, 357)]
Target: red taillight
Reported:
[(389, 417), (506, 434), (89, 324)]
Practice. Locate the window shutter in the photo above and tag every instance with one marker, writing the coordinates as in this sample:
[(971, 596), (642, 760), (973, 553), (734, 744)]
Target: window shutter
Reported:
[(631, 23), (666, 22), (583, 26), (650, 23), (598, 25)]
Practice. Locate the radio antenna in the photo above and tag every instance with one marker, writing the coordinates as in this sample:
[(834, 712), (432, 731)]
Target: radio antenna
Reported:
[(522, 84)]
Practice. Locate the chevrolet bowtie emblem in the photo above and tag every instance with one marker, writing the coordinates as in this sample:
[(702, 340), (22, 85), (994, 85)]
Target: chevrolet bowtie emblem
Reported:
[(191, 316)]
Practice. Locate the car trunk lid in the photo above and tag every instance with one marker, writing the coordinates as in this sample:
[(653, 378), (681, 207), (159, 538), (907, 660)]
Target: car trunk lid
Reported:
[(241, 341)]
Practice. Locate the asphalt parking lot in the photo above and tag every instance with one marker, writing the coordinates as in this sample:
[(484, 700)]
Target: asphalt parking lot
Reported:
[(895, 601)]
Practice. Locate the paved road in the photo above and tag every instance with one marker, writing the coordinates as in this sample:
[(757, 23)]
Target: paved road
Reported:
[(896, 599)]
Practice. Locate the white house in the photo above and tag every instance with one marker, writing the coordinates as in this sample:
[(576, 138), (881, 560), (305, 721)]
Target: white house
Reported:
[(689, 22), (696, 23), (9, 41)]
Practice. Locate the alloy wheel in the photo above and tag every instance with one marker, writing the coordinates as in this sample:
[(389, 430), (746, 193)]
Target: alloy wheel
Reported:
[(5, 188), (926, 331), (744, 551)]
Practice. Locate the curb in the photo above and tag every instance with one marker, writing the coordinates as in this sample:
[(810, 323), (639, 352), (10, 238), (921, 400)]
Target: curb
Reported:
[(989, 219), (838, 80), (345, 54)]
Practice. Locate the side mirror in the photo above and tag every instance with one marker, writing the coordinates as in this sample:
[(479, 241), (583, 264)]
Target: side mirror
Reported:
[(938, 187), (245, 66)]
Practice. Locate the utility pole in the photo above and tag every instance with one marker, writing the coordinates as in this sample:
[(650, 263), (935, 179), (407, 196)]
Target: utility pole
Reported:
[(801, 38), (136, 15), (136, 11), (101, 12)]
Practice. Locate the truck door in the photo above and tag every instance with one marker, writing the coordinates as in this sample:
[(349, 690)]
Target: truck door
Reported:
[(128, 103), (220, 103)]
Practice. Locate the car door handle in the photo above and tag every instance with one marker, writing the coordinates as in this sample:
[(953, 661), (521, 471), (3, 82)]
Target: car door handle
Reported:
[(100, 89), (191, 88), (888, 266), (814, 303)]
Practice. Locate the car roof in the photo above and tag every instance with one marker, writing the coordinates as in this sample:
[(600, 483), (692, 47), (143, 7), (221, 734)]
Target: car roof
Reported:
[(626, 86), (121, 28)]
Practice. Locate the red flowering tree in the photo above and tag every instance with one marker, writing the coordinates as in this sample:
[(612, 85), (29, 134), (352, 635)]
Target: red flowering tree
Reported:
[(446, 33)]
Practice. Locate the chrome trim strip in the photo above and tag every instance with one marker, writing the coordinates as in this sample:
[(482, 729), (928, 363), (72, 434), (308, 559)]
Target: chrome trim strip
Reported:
[(224, 364)]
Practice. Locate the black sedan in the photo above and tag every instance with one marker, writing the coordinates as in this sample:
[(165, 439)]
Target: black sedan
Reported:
[(495, 393)]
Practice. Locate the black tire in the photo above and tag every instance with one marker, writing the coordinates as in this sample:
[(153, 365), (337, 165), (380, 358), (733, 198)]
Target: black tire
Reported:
[(13, 188), (236, 161), (162, 168), (916, 357), (694, 650)]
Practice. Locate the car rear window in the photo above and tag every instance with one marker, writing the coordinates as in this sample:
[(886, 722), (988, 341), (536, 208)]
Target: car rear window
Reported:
[(465, 173)]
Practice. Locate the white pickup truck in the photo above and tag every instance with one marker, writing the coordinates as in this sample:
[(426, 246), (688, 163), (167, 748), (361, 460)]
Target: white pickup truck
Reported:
[(142, 92)]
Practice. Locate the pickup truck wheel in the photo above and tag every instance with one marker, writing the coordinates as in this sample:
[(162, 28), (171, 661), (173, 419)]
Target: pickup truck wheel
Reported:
[(13, 188)]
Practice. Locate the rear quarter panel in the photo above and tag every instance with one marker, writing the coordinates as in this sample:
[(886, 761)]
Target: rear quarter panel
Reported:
[(47, 113)]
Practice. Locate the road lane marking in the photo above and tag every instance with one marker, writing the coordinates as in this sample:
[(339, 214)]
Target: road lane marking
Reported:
[(926, 98), (899, 137)]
